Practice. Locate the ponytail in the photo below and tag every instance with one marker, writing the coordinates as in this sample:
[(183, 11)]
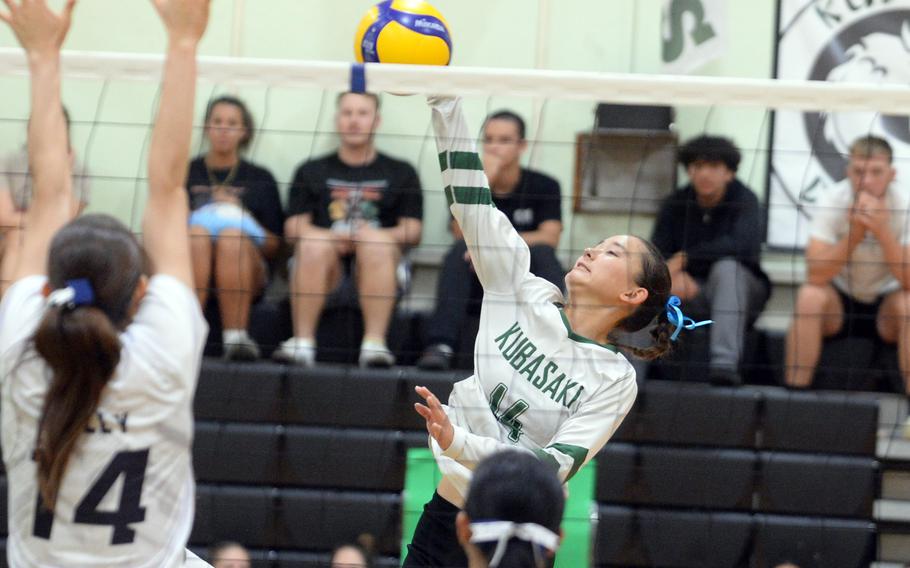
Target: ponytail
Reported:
[(662, 344), (82, 348)]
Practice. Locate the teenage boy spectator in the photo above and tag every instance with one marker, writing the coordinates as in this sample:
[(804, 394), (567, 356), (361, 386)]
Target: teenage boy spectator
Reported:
[(355, 210), (530, 200), (710, 233)]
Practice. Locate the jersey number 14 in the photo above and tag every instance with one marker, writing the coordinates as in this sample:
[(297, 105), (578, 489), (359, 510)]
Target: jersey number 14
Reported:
[(131, 465), (508, 417)]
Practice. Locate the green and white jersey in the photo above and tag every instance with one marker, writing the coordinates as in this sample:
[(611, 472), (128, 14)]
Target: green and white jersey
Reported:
[(537, 385)]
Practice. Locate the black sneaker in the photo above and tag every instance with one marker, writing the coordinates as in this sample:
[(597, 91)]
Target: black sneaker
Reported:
[(725, 378), (436, 358)]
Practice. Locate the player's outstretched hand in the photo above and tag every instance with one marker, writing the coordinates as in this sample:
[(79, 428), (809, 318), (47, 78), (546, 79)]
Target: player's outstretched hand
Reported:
[(438, 424), (185, 20), (39, 29)]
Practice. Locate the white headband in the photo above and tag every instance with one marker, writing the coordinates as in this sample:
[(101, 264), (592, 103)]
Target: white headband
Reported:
[(61, 296), (503, 531)]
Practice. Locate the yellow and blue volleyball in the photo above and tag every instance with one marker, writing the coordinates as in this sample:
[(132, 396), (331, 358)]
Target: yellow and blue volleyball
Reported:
[(403, 31)]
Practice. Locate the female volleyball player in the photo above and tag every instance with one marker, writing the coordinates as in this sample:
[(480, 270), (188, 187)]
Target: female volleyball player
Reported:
[(508, 523), (98, 361), (547, 378)]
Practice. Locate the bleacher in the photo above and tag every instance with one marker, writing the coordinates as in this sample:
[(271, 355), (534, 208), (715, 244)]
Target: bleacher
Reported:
[(293, 461)]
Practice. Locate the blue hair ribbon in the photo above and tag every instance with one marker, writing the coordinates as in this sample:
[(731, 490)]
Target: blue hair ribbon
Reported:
[(78, 292), (676, 317)]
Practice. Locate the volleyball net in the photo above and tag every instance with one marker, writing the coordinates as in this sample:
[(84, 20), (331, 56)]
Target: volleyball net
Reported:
[(611, 141)]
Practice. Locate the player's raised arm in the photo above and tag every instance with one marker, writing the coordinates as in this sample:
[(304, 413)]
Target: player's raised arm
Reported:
[(500, 256), (165, 222), (41, 32)]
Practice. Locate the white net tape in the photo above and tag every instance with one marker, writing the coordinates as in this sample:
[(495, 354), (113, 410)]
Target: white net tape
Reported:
[(469, 81)]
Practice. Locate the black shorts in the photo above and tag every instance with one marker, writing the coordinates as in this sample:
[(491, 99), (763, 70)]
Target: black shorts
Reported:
[(860, 318), (435, 544)]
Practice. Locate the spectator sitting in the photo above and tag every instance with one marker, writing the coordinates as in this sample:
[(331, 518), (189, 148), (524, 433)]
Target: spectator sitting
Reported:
[(857, 273), (507, 524), (229, 554), (532, 203), (710, 232), (236, 222), (350, 556), (16, 195), (355, 209)]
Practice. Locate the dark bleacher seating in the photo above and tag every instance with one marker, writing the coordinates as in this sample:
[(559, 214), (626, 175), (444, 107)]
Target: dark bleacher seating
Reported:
[(244, 514), (237, 453), (814, 543), (3, 509), (704, 478), (280, 559), (692, 414), (240, 392), (361, 398), (294, 518), (322, 396), (295, 460), (617, 542), (831, 422), (836, 486), (672, 539), (302, 456), (693, 539), (350, 459), (312, 519), (618, 473), (678, 477)]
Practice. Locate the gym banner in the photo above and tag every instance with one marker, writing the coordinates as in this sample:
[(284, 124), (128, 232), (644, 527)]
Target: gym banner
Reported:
[(694, 33), (842, 41)]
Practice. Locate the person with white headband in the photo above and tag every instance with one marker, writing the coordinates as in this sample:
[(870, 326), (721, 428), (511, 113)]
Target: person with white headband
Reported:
[(512, 513), (549, 377), (101, 338)]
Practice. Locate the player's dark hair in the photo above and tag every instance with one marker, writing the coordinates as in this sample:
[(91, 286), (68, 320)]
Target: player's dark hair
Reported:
[(515, 486), (510, 116), (81, 345), (245, 115), (710, 149), (372, 96), (654, 277)]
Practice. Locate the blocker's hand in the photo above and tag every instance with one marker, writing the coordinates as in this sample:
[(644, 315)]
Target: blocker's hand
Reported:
[(185, 20), (438, 424), (39, 29)]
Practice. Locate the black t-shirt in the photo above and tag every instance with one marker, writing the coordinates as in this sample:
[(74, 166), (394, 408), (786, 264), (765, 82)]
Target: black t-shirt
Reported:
[(255, 186), (338, 196), (534, 200), (732, 229)]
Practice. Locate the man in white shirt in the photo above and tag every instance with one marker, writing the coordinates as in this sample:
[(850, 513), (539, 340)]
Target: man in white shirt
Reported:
[(857, 264)]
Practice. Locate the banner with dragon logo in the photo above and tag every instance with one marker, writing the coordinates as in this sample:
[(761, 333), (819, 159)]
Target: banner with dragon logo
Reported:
[(847, 41)]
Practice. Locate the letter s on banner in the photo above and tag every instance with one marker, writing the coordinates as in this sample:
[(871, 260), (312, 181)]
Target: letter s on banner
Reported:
[(694, 33)]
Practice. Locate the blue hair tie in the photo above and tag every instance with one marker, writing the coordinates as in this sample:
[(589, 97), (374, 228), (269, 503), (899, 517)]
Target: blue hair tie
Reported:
[(676, 317), (78, 292)]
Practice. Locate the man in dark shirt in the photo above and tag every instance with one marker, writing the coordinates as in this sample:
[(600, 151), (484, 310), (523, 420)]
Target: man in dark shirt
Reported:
[(710, 232), (353, 205), (530, 200)]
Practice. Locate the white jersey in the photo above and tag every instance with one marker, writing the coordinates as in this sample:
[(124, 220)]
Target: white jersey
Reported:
[(127, 496), (537, 385), (866, 276)]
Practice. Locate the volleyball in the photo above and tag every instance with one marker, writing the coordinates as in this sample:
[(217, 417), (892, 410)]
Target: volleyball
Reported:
[(403, 31)]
